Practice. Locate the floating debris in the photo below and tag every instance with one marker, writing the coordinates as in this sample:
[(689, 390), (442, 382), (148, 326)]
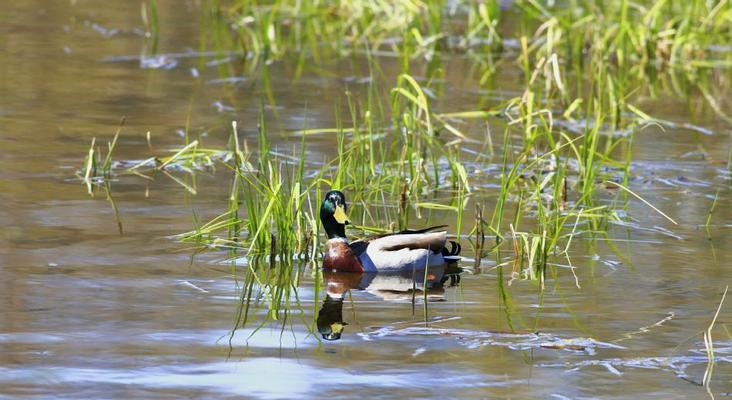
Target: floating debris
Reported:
[(230, 80), (158, 62), (192, 286), (221, 107), (104, 31), (676, 364), (475, 339)]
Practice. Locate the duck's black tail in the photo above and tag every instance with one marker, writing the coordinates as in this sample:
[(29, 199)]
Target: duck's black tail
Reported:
[(453, 251), (452, 270)]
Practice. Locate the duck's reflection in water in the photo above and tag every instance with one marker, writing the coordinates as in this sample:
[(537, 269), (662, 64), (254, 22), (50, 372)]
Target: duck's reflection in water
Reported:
[(390, 286)]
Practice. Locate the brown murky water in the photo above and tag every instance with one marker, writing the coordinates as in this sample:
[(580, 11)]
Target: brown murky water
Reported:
[(87, 312)]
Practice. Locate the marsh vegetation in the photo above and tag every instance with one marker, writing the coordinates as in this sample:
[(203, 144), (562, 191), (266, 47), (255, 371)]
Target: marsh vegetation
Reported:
[(579, 151)]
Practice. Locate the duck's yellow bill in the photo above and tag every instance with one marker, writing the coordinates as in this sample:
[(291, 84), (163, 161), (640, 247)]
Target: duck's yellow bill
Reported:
[(340, 215), (336, 327)]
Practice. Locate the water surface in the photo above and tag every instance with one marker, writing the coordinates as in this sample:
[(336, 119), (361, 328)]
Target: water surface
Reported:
[(87, 312)]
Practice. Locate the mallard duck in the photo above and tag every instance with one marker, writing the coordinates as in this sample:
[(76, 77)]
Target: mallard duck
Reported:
[(390, 252)]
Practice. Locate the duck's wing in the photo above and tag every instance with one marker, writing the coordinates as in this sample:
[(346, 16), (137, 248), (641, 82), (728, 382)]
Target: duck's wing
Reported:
[(406, 239), (434, 241), (404, 232), (358, 247)]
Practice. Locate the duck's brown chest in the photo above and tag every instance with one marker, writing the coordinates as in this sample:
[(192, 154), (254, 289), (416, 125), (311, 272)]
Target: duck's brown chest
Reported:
[(339, 256)]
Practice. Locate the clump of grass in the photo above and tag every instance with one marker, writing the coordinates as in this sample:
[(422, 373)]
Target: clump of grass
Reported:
[(631, 33), (97, 166), (618, 45), (325, 29), (275, 197), (552, 169), (100, 168)]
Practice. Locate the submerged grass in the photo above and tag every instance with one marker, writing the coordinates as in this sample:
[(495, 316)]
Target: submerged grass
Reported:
[(150, 19), (709, 343)]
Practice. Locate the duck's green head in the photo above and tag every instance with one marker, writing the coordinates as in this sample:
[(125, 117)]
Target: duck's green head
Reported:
[(333, 214)]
